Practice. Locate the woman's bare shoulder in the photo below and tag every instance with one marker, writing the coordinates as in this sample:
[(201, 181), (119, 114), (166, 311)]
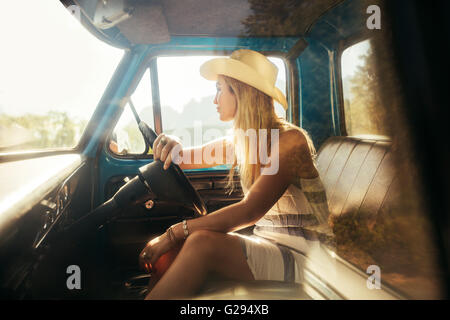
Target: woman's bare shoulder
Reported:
[(296, 152), (293, 138)]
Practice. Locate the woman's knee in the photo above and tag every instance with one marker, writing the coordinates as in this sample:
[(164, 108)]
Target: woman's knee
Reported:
[(201, 242)]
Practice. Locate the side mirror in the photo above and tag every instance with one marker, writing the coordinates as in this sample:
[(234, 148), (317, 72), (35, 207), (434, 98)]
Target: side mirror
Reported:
[(119, 143)]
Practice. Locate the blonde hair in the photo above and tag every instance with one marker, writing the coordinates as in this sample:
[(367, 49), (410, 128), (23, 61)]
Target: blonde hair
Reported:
[(255, 110)]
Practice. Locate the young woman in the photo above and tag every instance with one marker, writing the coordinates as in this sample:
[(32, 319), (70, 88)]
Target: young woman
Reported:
[(284, 196)]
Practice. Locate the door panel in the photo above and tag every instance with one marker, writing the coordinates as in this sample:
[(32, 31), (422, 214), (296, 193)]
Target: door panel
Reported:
[(128, 234)]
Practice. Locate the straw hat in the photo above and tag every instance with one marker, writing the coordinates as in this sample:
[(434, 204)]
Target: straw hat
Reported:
[(248, 66)]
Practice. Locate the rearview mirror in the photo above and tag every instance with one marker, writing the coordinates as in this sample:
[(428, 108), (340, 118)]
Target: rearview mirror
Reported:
[(108, 13)]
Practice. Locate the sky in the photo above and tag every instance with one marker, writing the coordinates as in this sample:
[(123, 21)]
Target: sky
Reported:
[(351, 58), (176, 89), (48, 61)]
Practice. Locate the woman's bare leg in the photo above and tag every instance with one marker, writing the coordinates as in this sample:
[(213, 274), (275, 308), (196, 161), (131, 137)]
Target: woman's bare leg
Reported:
[(202, 253)]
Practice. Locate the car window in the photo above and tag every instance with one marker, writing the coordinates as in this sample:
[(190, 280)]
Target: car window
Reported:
[(53, 73), (126, 137), (363, 108), (187, 110), (187, 106)]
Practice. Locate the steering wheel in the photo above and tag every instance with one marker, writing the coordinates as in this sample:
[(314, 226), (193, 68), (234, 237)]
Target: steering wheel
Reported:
[(152, 182), (171, 184)]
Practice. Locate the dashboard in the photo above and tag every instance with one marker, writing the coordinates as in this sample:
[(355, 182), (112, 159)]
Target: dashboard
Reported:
[(35, 202), (54, 208)]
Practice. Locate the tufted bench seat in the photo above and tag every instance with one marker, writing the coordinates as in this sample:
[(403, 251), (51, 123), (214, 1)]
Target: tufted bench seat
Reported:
[(357, 173)]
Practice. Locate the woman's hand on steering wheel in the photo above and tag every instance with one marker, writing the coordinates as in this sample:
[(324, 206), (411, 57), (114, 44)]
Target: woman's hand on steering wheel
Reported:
[(165, 147)]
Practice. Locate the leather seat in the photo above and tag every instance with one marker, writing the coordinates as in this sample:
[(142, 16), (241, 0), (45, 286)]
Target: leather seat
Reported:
[(358, 175)]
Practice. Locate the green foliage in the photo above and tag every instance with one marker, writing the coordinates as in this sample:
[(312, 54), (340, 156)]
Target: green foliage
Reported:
[(365, 111), (55, 129), (135, 139)]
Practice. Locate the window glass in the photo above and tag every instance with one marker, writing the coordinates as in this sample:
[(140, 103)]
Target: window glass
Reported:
[(52, 76), (126, 137), (363, 108), (187, 106)]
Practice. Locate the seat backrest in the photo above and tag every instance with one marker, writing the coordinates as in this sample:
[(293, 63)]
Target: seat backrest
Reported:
[(357, 173)]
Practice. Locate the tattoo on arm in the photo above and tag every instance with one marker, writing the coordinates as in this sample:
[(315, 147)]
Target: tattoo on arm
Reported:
[(302, 163)]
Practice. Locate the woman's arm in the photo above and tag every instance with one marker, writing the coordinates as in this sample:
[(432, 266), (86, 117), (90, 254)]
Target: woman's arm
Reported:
[(294, 160), (211, 154), (208, 155)]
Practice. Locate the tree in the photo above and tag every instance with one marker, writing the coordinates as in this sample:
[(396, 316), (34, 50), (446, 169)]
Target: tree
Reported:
[(365, 111), (55, 129)]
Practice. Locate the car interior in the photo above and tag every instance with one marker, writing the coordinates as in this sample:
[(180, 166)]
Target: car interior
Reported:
[(95, 205)]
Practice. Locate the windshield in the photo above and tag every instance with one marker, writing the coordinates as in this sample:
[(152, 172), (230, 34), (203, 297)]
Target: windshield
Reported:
[(52, 76)]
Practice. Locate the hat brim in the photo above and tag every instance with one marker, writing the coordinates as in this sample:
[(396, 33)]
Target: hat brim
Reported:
[(242, 72)]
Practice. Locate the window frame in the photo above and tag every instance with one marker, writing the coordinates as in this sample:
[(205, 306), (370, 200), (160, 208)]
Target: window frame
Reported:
[(139, 76), (226, 52), (151, 64)]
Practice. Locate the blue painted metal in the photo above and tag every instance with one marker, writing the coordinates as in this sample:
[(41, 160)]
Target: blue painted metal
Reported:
[(336, 102), (344, 21), (316, 112), (319, 92), (281, 44)]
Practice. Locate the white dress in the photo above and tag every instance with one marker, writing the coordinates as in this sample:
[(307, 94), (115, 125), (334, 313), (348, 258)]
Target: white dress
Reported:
[(296, 222)]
